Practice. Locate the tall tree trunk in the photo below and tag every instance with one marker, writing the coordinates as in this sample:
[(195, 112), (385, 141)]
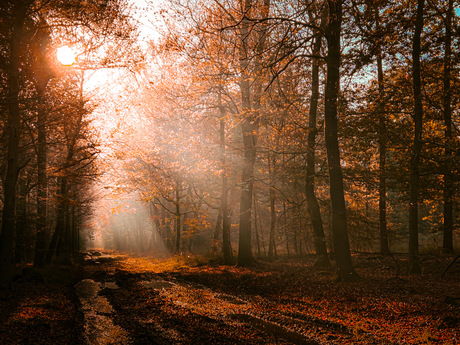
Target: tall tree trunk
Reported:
[(217, 232), (447, 243), (383, 232), (225, 215), (42, 74), (177, 215), (414, 263), (42, 181), (256, 226), (250, 124), (156, 226), (285, 226), (20, 249), (14, 136), (249, 129), (75, 248), (314, 211), (345, 270), (58, 240), (272, 197)]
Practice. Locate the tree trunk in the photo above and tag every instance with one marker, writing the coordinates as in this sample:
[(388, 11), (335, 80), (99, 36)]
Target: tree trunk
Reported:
[(447, 243), (20, 250), (250, 123), (217, 232), (414, 263), (42, 182), (156, 226), (13, 128), (225, 214), (314, 211), (272, 197), (57, 244), (383, 232), (249, 129), (285, 226), (345, 270), (177, 215), (42, 74), (256, 227)]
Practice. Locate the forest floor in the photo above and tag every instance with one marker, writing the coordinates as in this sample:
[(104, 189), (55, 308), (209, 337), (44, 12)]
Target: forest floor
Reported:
[(125, 299)]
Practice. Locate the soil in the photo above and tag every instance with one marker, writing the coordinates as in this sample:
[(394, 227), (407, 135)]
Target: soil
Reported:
[(189, 300)]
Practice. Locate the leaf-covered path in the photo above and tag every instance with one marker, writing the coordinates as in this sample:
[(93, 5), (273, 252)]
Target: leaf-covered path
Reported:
[(180, 301)]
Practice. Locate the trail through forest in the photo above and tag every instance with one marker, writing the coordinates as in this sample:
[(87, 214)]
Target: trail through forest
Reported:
[(187, 300)]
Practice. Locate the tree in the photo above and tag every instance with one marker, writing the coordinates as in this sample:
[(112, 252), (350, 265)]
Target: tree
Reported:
[(345, 270), (26, 65), (312, 202), (19, 14), (250, 121), (414, 264), (447, 244), (42, 74)]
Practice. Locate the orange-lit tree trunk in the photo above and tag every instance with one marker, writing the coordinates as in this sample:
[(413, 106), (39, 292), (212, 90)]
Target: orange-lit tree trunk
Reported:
[(225, 214), (345, 270), (250, 123), (414, 263), (249, 127)]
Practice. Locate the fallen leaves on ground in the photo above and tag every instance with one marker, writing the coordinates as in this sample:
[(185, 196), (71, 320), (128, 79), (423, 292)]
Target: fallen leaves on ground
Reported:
[(189, 300)]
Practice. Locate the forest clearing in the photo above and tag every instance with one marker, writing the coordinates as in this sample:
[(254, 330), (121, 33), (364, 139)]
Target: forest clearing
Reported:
[(189, 300)]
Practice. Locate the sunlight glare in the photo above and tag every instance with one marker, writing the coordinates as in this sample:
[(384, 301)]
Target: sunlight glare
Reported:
[(66, 55)]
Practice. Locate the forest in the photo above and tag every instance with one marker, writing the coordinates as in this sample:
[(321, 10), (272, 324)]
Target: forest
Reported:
[(238, 132)]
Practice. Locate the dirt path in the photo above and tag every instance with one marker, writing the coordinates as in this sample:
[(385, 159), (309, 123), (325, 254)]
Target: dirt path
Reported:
[(158, 309), (152, 303)]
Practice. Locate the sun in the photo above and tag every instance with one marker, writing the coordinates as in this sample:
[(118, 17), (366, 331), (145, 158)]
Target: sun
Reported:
[(66, 55)]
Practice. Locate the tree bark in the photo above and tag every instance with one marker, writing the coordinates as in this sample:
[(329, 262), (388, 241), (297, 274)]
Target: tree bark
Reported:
[(217, 232), (42, 182), (22, 221), (345, 270), (14, 136), (250, 124), (414, 264), (177, 215), (249, 128), (42, 73), (226, 223), (272, 197), (58, 241), (314, 211), (256, 226), (447, 243), (382, 142)]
